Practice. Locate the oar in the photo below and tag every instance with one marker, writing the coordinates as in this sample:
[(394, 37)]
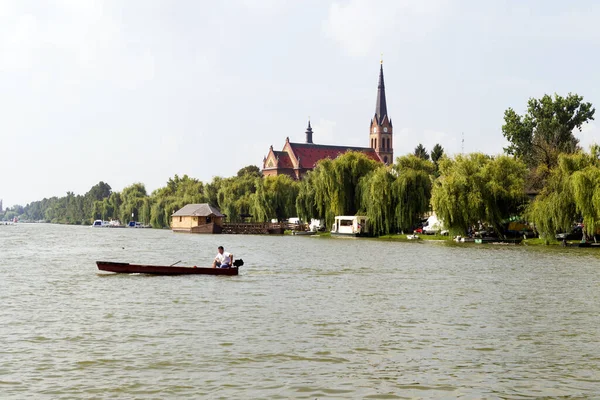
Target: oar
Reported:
[(175, 263)]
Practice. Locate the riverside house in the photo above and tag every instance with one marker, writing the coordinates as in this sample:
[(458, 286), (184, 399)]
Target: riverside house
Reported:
[(197, 218)]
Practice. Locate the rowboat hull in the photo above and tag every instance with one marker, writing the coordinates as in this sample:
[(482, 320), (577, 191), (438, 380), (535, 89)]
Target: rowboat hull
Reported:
[(127, 268)]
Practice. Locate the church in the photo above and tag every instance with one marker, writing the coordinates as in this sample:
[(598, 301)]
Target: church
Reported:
[(296, 159)]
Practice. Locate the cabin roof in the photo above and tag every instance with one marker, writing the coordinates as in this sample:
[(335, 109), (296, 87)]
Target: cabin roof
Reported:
[(198, 210)]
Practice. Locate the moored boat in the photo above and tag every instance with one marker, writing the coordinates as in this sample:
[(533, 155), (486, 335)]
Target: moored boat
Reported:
[(128, 268)]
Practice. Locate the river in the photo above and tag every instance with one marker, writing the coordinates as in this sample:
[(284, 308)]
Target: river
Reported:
[(306, 318)]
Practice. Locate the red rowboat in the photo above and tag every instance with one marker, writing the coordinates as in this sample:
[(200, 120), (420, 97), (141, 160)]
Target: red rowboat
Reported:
[(164, 270)]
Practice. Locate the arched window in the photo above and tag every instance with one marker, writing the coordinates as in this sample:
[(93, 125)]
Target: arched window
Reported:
[(371, 142), (375, 143), (385, 159)]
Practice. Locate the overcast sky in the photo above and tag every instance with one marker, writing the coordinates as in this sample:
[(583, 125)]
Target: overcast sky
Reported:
[(131, 91)]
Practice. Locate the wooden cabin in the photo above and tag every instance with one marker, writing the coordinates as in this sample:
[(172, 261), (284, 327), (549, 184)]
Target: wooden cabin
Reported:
[(197, 218)]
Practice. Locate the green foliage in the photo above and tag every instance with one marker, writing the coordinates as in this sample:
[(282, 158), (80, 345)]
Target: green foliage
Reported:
[(412, 189), (421, 152), (234, 196), (539, 136), (572, 192), (252, 170), (332, 187), (436, 153), (379, 200), (478, 188), (275, 198)]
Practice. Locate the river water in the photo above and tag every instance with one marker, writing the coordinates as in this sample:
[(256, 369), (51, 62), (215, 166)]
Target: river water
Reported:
[(306, 318)]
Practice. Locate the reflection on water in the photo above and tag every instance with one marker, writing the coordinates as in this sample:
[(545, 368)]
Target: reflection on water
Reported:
[(306, 318)]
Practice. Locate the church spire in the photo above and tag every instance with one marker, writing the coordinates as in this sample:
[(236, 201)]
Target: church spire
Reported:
[(381, 106), (309, 133)]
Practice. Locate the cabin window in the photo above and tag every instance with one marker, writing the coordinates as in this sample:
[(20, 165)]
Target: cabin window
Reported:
[(208, 220), (346, 222), (180, 219)]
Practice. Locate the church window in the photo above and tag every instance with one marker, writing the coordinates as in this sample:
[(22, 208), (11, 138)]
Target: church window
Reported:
[(385, 159), (375, 143)]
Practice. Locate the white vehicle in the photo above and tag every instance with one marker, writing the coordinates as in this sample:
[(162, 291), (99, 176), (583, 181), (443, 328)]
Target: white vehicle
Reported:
[(350, 226), (433, 225)]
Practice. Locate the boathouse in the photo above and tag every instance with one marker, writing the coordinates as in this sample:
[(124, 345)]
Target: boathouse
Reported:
[(197, 218)]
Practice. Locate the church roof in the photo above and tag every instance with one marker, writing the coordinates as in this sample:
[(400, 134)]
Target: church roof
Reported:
[(284, 159), (198, 210), (309, 154)]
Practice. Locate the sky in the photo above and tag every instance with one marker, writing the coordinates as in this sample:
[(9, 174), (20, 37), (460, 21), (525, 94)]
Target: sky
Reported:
[(140, 90)]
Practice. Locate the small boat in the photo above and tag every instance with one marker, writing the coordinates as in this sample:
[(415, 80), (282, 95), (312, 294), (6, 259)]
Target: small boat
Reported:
[(303, 233), (127, 268)]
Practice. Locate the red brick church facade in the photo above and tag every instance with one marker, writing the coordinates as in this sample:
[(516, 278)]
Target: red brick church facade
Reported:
[(295, 159)]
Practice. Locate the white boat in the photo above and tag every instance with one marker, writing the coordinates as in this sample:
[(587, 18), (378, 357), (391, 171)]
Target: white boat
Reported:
[(350, 226), (100, 224)]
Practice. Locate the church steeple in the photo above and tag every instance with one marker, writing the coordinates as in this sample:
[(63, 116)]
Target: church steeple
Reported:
[(309, 133), (381, 106), (381, 131)]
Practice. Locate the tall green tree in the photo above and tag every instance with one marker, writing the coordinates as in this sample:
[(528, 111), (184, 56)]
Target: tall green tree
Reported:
[(572, 192), (478, 188), (412, 189), (546, 130), (421, 152), (275, 198)]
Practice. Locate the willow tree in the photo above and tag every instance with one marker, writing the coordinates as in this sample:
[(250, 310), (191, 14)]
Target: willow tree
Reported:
[(412, 189), (275, 197), (378, 200), (478, 188), (331, 188), (133, 200), (572, 192)]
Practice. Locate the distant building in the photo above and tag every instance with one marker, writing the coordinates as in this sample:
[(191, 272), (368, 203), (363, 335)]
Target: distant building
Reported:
[(197, 218), (295, 159)]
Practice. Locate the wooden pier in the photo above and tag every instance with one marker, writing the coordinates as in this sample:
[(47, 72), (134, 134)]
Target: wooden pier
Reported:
[(253, 228)]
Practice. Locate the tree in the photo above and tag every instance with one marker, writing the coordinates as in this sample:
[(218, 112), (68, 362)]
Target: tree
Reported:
[(249, 170), (572, 193), (331, 188), (546, 130), (421, 152), (275, 197), (412, 189), (436, 153), (478, 188), (132, 201)]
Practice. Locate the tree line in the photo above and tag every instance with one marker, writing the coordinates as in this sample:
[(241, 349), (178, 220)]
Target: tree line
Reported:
[(544, 177)]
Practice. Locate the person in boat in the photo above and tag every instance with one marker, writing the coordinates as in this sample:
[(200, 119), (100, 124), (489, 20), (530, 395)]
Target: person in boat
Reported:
[(223, 259)]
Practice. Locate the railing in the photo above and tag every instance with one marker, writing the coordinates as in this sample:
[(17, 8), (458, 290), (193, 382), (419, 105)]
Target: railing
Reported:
[(253, 228)]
